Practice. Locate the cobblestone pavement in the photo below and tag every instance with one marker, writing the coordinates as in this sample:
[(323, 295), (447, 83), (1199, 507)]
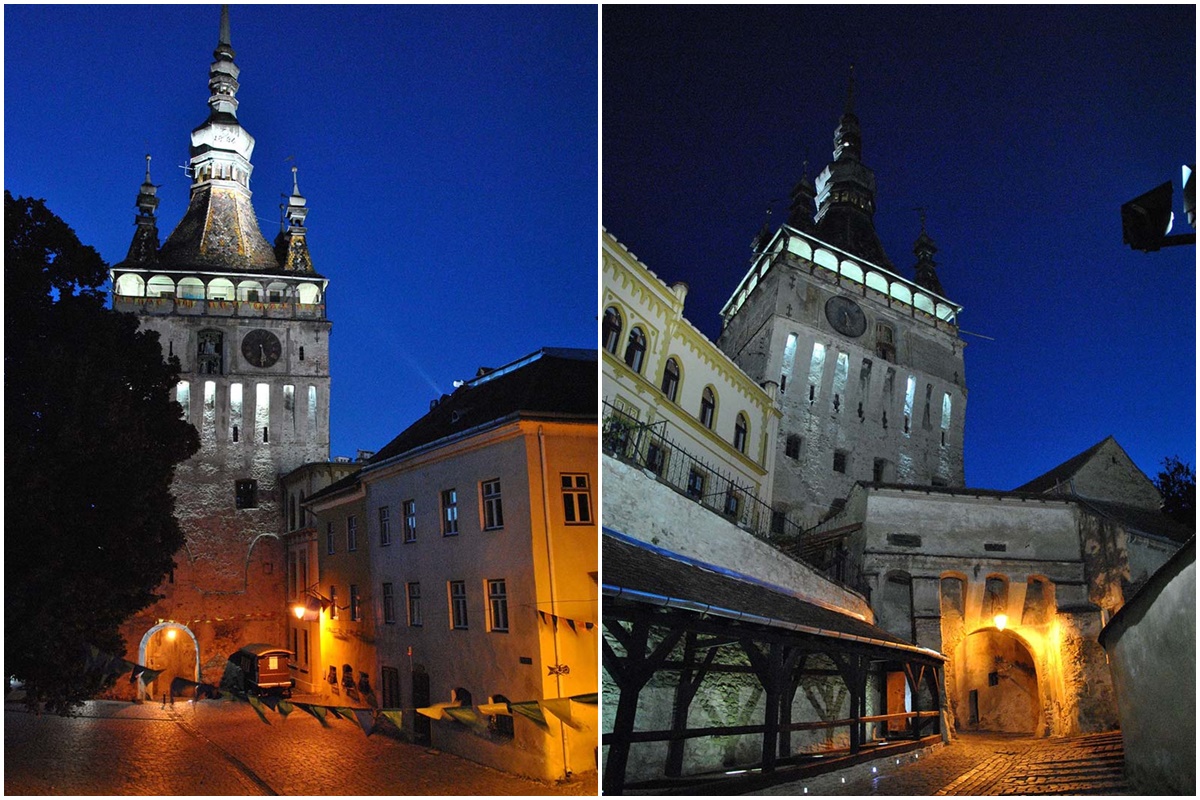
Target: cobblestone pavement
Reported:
[(222, 748), (983, 764)]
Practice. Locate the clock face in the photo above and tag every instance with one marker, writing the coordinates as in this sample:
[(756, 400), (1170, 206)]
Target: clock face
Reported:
[(845, 316), (261, 348)]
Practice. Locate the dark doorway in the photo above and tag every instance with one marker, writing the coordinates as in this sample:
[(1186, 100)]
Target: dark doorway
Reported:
[(422, 725), (390, 677)]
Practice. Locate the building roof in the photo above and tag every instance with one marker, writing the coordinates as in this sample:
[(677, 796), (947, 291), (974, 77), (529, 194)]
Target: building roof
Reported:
[(1141, 520), (552, 383), (1064, 471), (351, 481), (643, 573)]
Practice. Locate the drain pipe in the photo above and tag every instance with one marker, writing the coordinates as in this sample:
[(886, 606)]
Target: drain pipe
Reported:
[(562, 728)]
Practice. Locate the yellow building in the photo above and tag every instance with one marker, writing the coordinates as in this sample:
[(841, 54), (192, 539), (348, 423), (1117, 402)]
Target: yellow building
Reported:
[(675, 404), (461, 562)]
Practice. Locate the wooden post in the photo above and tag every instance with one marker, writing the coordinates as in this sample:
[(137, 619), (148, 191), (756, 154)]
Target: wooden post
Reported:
[(690, 679)]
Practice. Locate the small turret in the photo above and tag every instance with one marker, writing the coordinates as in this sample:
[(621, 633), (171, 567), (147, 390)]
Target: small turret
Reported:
[(144, 247), (804, 204), (291, 248), (926, 266)]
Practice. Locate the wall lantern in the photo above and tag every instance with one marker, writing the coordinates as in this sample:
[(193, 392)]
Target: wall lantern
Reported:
[(310, 610), (1001, 620), (171, 634)]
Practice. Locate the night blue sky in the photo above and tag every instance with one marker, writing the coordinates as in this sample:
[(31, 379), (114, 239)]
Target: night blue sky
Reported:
[(448, 154), (1022, 130)]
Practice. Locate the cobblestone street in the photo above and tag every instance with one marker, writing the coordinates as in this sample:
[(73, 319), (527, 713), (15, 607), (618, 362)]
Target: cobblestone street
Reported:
[(984, 764), (222, 748)]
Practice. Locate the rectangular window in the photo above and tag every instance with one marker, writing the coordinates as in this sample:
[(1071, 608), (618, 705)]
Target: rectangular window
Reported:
[(498, 605), (385, 526), (695, 484), (577, 499), (353, 602), (410, 520), (333, 606), (789, 359), (351, 533), (458, 604), (816, 370), (414, 605), (450, 512), (183, 396), (389, 604), (246, 493), (493, 512), (330, 546), (792, 448), (839, 461)]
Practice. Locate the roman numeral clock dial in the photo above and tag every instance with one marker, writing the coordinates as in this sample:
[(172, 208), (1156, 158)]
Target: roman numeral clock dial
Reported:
[(261, 348)]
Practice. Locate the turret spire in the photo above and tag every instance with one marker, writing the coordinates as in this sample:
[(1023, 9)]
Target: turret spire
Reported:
[(291, 246), (926, 267), (144, 247)]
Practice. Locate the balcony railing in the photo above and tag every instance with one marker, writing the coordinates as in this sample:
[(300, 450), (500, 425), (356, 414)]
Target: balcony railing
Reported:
[(649, 447)]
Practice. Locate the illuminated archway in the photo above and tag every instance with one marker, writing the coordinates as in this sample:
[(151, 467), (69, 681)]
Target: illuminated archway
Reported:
[(997, 685), (171, 652)]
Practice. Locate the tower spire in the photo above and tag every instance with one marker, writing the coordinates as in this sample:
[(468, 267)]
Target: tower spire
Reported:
[(291, 246), (926, 267), (220, 227)]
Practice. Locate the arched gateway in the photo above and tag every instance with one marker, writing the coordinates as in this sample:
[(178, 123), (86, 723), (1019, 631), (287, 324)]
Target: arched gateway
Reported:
[(165, 648)]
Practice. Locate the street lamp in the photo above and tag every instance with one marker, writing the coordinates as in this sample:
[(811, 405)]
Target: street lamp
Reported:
[(1001, 620)]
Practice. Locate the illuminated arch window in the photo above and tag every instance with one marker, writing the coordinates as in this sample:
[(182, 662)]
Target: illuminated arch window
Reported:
[(612, 329), (130, 285), (708, 407), (670, 382), (635, 350), (740, 430)]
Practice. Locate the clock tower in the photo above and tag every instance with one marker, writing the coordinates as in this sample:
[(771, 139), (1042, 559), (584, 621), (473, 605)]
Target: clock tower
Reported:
[(246, 319), (869, 363)]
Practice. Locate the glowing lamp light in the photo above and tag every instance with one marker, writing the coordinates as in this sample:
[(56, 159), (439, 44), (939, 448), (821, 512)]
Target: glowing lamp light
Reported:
[(310, 610), (298, 610), (1001, 620), (171, 634)]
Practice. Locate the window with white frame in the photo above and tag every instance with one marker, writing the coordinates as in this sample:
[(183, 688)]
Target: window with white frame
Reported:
[(498, 606), (385, 526), (450, 512), (389, 604), (458, 604), (577, 499), (493, 511), (410, 520), (414, 604)]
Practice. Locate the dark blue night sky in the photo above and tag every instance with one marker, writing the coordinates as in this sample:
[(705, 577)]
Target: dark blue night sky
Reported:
[(448, 155), (1021, 130)]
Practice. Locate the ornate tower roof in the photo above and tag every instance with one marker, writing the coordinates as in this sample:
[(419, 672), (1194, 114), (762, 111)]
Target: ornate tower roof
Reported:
[(144, 247), (845, 193), (804, 203), (219, 229)]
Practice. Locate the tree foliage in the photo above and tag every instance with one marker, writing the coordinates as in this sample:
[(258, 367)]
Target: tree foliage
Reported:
[(92, 438), (1177, 483)]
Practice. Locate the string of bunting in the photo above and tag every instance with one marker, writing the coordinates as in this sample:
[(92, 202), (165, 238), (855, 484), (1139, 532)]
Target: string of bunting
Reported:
[(366, 718), (571, 623)]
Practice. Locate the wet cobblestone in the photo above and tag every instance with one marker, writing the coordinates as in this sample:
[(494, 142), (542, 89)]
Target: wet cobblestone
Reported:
[(222, 748)]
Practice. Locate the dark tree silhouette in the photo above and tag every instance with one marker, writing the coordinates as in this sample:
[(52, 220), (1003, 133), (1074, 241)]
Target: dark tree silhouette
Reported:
[(92, 438), (1177, 484)]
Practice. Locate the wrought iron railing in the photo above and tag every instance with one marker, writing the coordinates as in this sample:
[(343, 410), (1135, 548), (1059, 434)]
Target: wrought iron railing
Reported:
[(649, 447)]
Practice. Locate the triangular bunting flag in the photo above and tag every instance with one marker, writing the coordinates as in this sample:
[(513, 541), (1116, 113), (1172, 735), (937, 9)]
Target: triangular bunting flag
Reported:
[(542, 614), (531, 711), (395, 715), (317, 711), (270, 701), (587, 699), (344, 712), (258, 708), (571, 624), (285, 708), (466, 716), (179, 686), (561, 708), (366, 719), (589, 625)]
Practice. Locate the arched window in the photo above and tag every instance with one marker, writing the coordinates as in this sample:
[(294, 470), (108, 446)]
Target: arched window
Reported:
[(708, 407), (670, 382), (885, 342), (612, 329), (635, 351), (995, 599), (739, 432)]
